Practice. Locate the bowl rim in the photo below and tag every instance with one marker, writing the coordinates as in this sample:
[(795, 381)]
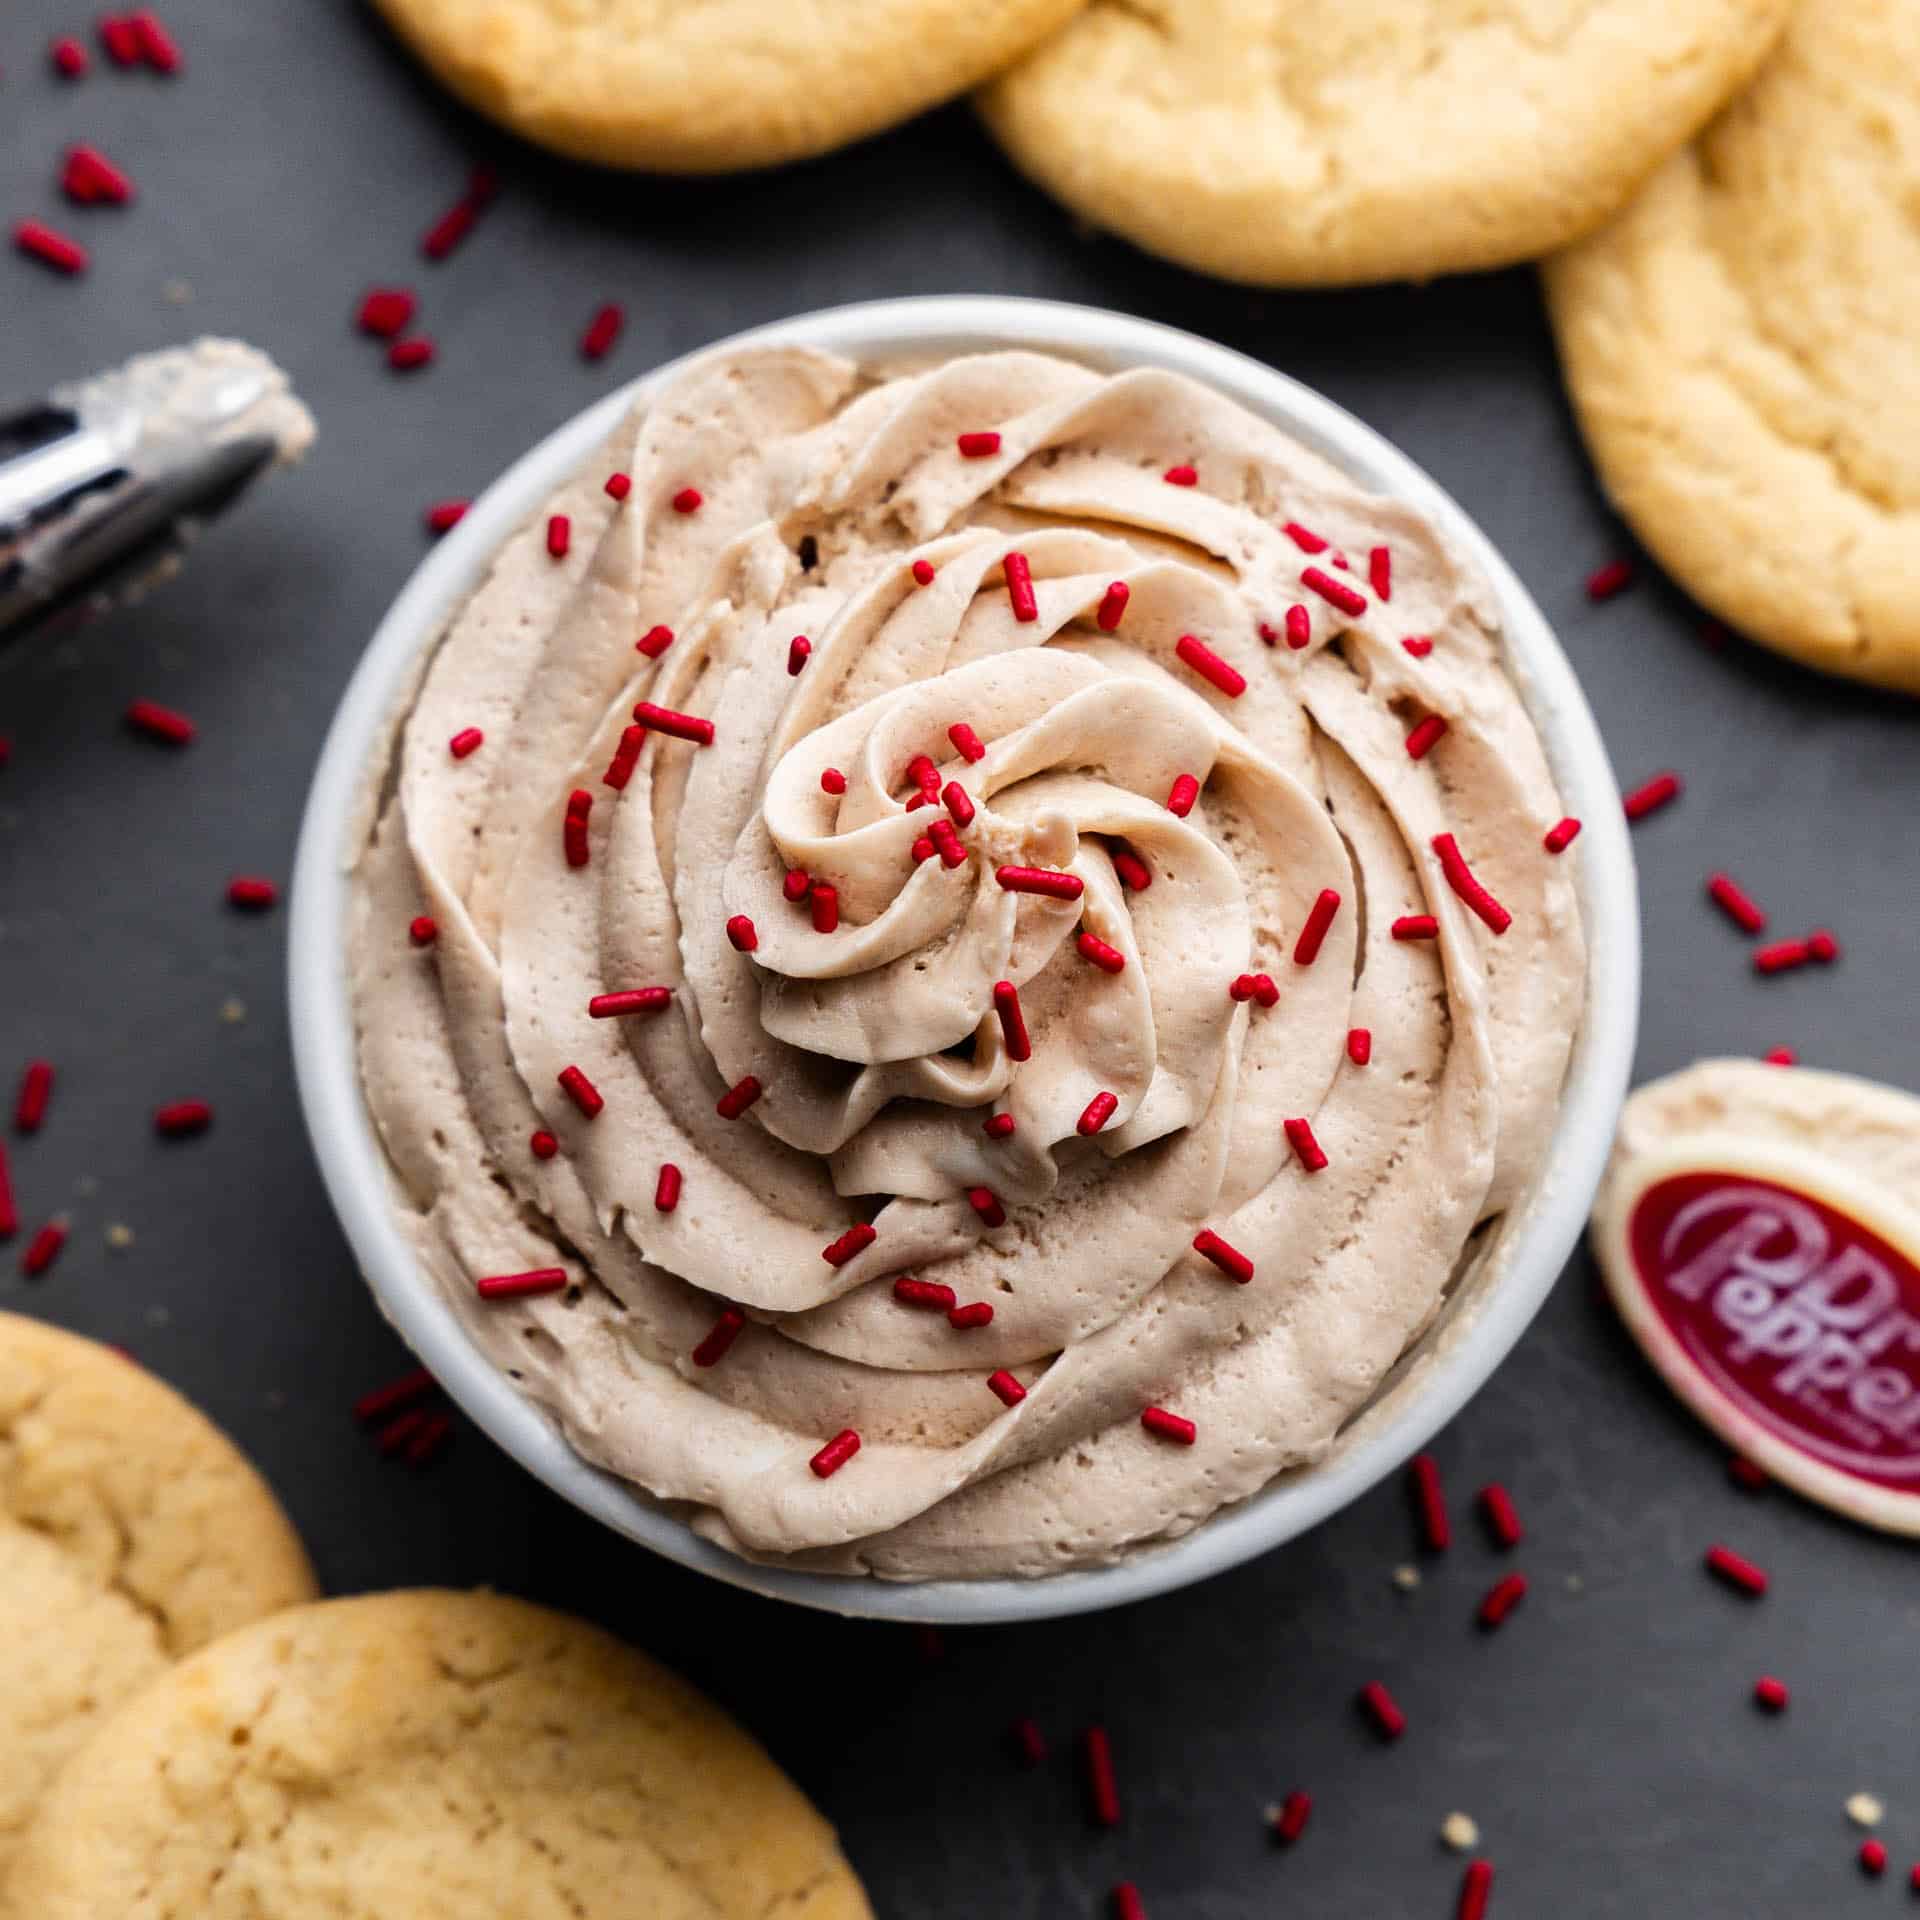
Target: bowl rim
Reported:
[(1535, 1247)]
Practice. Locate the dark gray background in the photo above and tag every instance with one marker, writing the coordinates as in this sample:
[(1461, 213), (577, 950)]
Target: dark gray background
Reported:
[(1604, 1740)]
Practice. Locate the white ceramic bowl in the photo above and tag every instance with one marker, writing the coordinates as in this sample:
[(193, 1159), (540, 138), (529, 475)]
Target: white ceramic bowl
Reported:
[(1481, 1323)]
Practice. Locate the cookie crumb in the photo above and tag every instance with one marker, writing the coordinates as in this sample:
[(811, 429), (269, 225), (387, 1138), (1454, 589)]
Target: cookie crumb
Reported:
[(233, 1011), (1866, 1809), (119, 1236), (1406, 1578), (1461, 1832)]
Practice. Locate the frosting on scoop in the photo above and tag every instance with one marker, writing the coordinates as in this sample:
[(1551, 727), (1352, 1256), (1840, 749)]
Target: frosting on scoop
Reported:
[(836, 505)]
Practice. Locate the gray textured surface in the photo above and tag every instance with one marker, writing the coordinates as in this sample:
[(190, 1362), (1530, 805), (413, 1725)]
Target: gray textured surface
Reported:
[(1603, 1740)]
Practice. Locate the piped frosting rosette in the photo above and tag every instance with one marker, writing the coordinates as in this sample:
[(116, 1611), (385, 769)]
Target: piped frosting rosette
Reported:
[(991, 965)]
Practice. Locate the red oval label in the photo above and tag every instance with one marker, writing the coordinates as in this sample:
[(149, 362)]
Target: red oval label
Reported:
[(1800, 1316)]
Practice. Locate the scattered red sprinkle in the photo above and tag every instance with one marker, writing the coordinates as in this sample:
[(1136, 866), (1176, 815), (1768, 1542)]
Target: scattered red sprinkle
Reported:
[(417, 350), (1562, 835), (1497, 1510), (1028, 1741), (1013, 1023), (959, 803), (742, 933), (121, 39), (1306, 950), (613, 1006), (796, 886), (36, 1089), (1097, 1112), (1006, 1389), (1107, 959), (1127, 1904), (687, 500), (947, 842), (1746, 1474), (423, 930), (1782, 956), (626, 756), (666, 1190), (1736, 903), (466, 741), (1359, 1045), (43, 1249), (799, 648), (521, 1286), (1132, 872), (9, 1212), (978, 1313), (855, 1240), (1615, 577), (1501, 1599), (998, 1126), (1453, 863), (69, 57), (1873, 1858), (1019, 578), (1103, 1792), (1416, 926), (738, 1098), (602, 331), (1383, 1710), (967, 744), (1422, 740), (1113, 604), (1181, 476), (832, 780), (1269, 633), (987, 1206), (91, 179), (1737, 1571), (1429, 1502), (825, 906), (543, 1144), (930, 1294), (378, 1402), (155, 42), (1300, 1138), (1265, 991), (1336, 592), (1180, 798), (386, 311), (1047, 881), (581, 1091), (1304, 537), (682, 726), (923, 850), (618, 486), (160, 723), (444, 515), (559, 535), (925, 775), (1647, 799), (654, 642), (1168, 1426), (1780, 1057), (1291, 1817), (1418, 644), (923, 572), (1299, 626), (835, 1454), (180, 1119), (573, 827), (1240, 988), (720, 1336), (1770, 1694), (1210, 667), (1228, 1258), (456, 223), (1476, 1886), (1822, 947), (979, 446), (1380, 573)]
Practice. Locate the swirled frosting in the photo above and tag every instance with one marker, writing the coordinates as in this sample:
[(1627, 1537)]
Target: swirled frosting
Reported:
[(1344, 1106)]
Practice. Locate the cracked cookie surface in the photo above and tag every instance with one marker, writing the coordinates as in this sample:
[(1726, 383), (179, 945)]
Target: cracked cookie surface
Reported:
[(131, 1533), (1333, 142), (434, 1754), (1740, 347)]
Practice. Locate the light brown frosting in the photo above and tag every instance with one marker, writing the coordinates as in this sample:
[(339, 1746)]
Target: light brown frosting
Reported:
[(877, 1044)]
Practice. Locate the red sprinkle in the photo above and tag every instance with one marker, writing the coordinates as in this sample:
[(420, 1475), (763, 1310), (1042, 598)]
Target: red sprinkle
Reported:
[(559, 535), (1336, 592), (1642, 801), (1103, 1794), (160, 723), (1229, 1259), (1430, 1503), (9, 1212), (1475, 1888), (1770, 1694), (742, 933), (543, 1144), (967, 744), (1132, 872), (1453, 864), (1304, 537), (581, 1091), (573, 829), (926, 776), (1210, 667), (1427, 735), (654, 642), (1776, 1057), (946, 842), (832, 780), (1107, 959), (978, 1313), (1127, 1904), (1873, 1858), (984, 1203), (795, 887), (1047, 881), (687, 500), (1559, 838), (1240, 988), (1359, 1045), (738, 1098), (1418, 644), (855, 1240), (1615, 577), (386, 311), (1182, 476), (1822, 947), (1416, 926), (181, 1119), (156, 43), (1019, 578), (1290, 1822), (682, 726), (1306, 949), (924, 1293), (923, 572), (1496, 1509), (121, 39), (602, 331), (1013, 1023), (618, 486), (1380, 572), (835, 1454), (1501, 1599), (1746, 1474), (416, 351), (998, 1126), (959, 803), (923, 849), (825, 905), (1028, 1741), (720, 1336), (1383, 1710), (90, 178), (1180, 798), (423, 930), (1737, 1571), (519, 1286), (1300, 1138), (1269, 633), (444, 515), (1299, 627), (36, 1088), (611, 1006), (1113, 604), (1168, 1426), (456, 223), (979, 446), (798, 650), (626, 756), (1005, 1388), (465, 742), (1736, 903), (69, 57), (1782, 956), (1097, 1112), (44, 1249), (378, 1402), (666, 1191)]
